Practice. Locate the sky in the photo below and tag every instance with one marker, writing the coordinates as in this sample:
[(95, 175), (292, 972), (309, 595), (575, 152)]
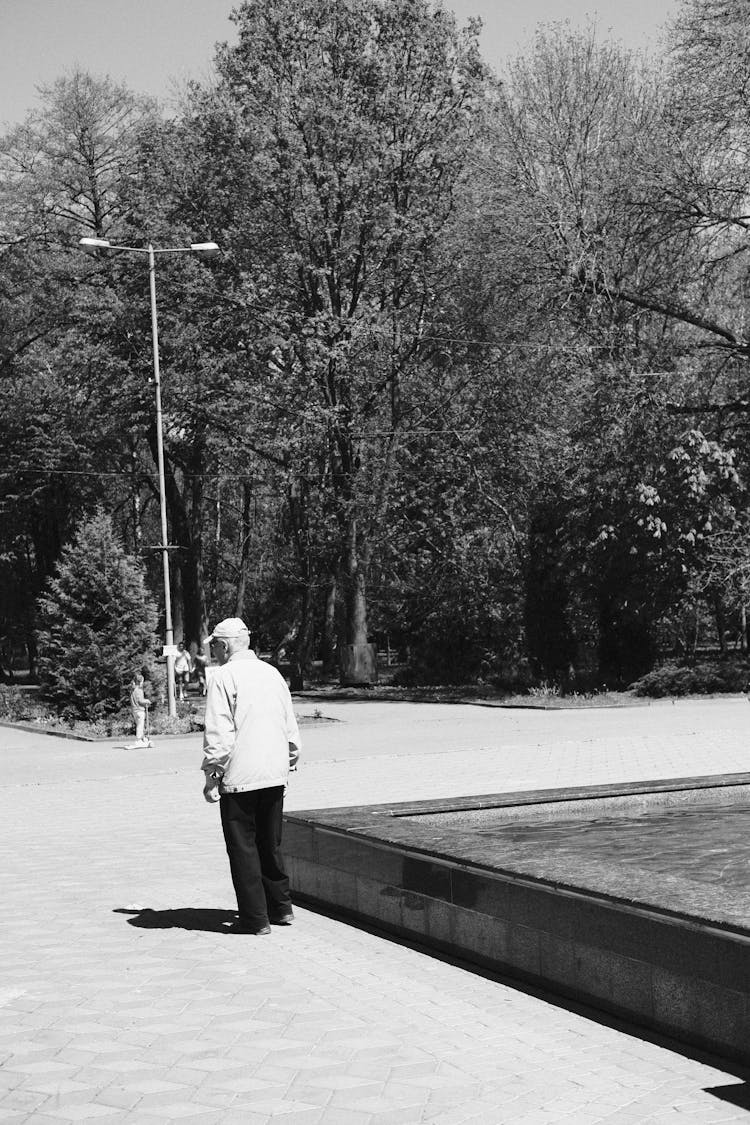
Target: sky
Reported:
[(155, 45)]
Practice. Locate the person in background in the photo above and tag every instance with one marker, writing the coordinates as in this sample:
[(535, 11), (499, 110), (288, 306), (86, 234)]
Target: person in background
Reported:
[(182, 670), (199, 662), (251, 741)]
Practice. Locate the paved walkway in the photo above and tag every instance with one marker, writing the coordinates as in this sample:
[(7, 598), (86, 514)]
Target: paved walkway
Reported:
[(109, 1010)]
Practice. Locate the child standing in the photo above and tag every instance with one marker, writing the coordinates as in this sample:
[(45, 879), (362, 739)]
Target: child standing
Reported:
[(138, 708)]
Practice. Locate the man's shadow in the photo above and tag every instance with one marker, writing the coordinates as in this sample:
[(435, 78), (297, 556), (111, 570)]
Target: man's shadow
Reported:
[(737, 1094), (184, 918)]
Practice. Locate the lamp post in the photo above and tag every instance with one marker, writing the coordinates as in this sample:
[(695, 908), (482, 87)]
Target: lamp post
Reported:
[(93, 246)]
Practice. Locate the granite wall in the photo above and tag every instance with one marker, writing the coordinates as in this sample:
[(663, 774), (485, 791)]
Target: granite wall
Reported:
[(680, 976)]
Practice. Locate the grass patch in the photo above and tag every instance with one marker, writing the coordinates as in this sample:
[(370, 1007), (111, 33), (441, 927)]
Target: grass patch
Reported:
[(543, 697)]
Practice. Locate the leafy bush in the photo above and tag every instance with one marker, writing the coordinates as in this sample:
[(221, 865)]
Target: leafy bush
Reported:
[(15, 705), (98, 625), (707, 678)]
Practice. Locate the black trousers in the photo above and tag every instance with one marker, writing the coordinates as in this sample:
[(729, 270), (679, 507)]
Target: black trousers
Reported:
[(252, 832)]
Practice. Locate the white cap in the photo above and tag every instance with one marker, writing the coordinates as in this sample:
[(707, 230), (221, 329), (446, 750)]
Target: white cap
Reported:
[(228, 628)]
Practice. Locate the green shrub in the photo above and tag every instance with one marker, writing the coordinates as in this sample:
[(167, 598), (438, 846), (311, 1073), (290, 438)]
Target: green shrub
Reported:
[(186, 721), (707, 678), (15, 705)]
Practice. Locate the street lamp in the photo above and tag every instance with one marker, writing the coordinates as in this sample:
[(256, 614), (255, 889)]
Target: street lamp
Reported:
[(210, 249)]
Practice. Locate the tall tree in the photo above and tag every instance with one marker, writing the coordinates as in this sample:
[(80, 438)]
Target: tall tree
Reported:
[(87, 164), (66, 168), (341, 131), (582, 270), (63, 173)]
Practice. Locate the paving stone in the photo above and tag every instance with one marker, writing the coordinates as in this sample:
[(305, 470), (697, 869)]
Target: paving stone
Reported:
[(268, 1045), (119, 1066), (73, 1058), (299, 1091), (150, 1086), (245, 1085), (343, 1082), (81, 1112), (333, 1116), (377, 1103), (169, 1109), (283, 1107), (41, 1067), (118, 1097), (214, 1064)]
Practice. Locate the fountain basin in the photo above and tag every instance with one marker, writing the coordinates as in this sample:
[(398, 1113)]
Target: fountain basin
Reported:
[(633, 898)]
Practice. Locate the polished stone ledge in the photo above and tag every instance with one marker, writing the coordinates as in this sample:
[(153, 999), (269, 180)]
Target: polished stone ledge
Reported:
[(600, 936)]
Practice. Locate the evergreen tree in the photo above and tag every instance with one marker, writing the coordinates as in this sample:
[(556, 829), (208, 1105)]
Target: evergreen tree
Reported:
[(97, 623)]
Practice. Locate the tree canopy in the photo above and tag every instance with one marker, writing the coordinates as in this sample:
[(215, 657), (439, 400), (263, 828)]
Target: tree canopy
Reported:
[(469, 373)]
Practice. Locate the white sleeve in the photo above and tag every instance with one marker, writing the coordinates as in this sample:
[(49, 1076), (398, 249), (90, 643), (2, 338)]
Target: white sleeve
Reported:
[(219, 733), (292, 728)]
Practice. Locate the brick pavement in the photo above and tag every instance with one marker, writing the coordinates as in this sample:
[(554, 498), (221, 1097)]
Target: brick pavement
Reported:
[(121, 999)]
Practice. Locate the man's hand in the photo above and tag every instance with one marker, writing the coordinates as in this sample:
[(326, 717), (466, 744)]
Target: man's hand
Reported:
[(293, 756), (211, 789)]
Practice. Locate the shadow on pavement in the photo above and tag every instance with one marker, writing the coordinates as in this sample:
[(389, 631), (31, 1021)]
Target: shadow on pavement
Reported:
[(185, 918), (738, 1095)]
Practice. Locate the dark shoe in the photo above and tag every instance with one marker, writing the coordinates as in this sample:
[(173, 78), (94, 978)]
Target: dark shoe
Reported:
[(241, 927), (285, 919)]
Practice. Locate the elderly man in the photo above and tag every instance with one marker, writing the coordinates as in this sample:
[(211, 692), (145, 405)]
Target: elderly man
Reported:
[(251, 741)]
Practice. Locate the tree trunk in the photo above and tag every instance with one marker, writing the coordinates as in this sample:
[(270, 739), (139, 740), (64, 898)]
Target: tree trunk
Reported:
[(245, 530), (301, 653), (694, 635), (189, 599), (328, 641), (177, 598), (193, 595), (721, 625), (196, 611), (301, 656), (136, 501), (357, 658)]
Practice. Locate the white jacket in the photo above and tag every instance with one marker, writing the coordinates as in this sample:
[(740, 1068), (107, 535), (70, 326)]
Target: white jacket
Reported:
[(250, 722)]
